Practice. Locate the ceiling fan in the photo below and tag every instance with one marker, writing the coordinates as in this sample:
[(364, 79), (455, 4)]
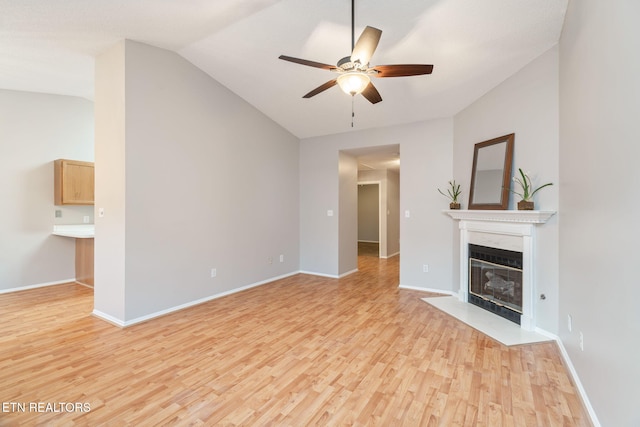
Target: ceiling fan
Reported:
[(354, 72)]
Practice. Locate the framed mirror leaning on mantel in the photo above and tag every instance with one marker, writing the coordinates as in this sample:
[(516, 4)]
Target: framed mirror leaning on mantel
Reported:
[(491, 173)]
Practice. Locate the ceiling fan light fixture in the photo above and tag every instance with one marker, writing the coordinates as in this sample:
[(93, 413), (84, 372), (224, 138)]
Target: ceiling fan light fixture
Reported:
[(354, 72), (353, 82)]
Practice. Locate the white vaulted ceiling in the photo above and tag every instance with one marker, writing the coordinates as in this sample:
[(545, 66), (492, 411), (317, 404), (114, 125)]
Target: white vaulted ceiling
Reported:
[(49, 46)]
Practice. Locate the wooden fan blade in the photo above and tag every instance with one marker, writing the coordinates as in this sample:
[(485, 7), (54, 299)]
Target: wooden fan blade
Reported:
[(366, 45), (402, 70), (321, 88), (308, 63), (371, 93)]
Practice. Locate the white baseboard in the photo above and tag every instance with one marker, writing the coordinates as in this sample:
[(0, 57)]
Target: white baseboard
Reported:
[(330, 276), (436, 291), (576, 379), (126, 323), (313, 273), (347, 273), (108, 318), (390, 256), (84, 284), (39, 285)]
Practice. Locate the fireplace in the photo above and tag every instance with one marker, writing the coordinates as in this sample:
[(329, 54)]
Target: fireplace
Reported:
[(502, 234), (495, 281)]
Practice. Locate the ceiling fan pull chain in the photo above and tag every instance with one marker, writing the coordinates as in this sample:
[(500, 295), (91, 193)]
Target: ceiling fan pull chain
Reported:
[(352, 113)]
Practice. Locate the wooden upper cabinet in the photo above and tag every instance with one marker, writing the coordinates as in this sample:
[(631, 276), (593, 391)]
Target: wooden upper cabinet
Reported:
[(73, 182)]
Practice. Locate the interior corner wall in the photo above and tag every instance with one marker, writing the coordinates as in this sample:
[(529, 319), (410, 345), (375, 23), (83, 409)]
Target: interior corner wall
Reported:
[(347, 214), (426, 237), (525, 104), (599, 178), (110, 175), (203, 190), (319, 186), (37, 129)]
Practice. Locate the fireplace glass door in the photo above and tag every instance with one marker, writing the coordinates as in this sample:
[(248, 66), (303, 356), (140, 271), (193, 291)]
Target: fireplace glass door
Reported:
[(495, 283)]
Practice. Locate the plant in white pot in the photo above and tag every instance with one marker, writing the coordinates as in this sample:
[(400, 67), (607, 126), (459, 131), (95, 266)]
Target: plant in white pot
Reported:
[(526, 191), (453, 192)]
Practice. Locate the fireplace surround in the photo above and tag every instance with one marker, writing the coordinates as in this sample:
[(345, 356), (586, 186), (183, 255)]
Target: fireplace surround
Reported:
[(502, 231)]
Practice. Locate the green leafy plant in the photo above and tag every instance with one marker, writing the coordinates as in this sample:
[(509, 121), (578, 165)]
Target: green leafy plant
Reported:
[(453, 192), (527, 191)]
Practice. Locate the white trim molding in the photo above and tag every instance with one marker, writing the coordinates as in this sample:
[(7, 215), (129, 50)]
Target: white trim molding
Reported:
[(527, 217), (125, 323), (39, 285), (431, 290)]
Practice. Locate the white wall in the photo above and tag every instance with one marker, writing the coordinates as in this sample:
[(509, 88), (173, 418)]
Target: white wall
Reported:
[(525, 104), (426, 237), (36, 129), (209, 181), (318, 196), (599, 178)]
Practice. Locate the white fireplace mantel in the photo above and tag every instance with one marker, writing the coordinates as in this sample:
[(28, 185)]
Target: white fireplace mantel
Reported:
[(527, 217), (506, 229)]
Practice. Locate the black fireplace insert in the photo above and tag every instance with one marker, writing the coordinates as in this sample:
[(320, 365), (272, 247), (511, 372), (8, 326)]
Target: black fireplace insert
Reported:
[(495, 281)]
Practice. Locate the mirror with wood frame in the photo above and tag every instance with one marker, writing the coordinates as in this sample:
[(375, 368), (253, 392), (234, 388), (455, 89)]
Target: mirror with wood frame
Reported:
[(491, 173)]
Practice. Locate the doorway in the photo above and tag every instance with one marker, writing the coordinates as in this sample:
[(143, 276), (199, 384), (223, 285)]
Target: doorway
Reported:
[(367, 165), (369, 219), (378, 170)]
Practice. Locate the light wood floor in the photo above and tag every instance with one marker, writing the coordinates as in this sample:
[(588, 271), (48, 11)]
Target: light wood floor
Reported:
[(300, 351), (368, 249)]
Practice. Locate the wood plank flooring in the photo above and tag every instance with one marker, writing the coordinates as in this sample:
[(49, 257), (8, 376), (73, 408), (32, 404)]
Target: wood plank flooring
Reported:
[(302, 351)]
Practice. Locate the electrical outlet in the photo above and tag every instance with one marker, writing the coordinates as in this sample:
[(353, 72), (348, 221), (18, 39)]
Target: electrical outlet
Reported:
[(270, 260), (569, 322), (214, 272), (58, 213), (425, 268), (581, 341), (86, 219)]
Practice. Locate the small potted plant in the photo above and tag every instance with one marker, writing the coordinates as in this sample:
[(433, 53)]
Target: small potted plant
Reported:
[(526, 191), (453, 192)]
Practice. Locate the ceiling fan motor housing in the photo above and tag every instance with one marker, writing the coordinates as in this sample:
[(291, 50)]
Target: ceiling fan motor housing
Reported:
[(345, 64)]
